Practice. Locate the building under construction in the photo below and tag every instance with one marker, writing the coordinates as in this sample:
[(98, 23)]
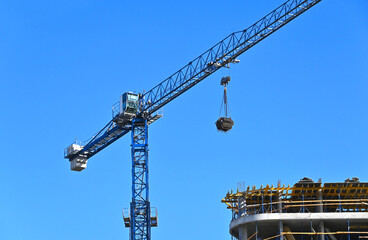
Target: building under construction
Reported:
[(306, 211)]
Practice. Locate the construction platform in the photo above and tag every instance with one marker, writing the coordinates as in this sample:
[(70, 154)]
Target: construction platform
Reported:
[(306, 211)]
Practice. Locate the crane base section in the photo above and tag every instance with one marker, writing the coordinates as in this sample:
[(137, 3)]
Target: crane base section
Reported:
[(78, 163), (224, 124)]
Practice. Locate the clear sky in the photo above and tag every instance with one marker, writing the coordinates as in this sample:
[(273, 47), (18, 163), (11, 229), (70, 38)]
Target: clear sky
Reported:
[(298, 99)]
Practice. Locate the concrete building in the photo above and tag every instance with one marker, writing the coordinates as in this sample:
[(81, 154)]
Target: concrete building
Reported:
[(306, 211)]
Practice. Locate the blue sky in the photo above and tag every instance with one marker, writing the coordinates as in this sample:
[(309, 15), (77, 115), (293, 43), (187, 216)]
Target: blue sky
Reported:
[(298, 99)]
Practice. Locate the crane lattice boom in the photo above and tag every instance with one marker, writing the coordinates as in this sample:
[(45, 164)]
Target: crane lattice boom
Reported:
[(135, 112), (223, 53)]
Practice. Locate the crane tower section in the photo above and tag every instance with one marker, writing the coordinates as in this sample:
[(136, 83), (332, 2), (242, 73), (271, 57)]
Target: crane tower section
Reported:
[(134, 112)]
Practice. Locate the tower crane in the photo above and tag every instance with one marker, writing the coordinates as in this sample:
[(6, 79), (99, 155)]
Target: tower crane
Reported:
[(135, 112)]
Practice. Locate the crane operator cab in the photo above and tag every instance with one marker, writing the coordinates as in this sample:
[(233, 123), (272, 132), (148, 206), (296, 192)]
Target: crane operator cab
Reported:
[(129, 103)]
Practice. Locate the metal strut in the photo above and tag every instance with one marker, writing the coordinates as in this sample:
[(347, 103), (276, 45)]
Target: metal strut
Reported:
[(140, 220), (223, 53), (220, 55)]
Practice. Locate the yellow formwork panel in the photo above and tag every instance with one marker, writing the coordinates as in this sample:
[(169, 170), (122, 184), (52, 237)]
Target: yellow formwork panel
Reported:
[(350, 196)]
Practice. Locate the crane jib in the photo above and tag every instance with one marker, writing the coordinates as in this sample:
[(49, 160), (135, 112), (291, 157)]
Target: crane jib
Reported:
[(135, 111), (222, 54)]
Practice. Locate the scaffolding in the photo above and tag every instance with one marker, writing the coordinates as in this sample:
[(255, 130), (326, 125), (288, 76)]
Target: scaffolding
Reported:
[(311, 202)]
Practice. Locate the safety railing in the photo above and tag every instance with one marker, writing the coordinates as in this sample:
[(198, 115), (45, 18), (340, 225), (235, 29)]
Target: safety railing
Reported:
[(307, 206), (115, 109), (80, 143), (153, 216)]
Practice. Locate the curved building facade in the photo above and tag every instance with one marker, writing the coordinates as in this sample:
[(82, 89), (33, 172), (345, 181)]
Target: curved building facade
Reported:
[(306, 211)]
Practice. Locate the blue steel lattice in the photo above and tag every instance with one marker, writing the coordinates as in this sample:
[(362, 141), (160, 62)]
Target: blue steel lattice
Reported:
[(222, 54), (203, 66), (140, 219)]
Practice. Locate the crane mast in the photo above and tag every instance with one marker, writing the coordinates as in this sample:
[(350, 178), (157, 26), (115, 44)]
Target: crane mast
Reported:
[(135, 112)]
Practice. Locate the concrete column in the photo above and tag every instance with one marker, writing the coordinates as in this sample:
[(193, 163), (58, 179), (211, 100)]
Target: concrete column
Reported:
[(279, 207), (242, 203), (321, 229), (279, 204), (243, 232), (281, 229), (319, 208)]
